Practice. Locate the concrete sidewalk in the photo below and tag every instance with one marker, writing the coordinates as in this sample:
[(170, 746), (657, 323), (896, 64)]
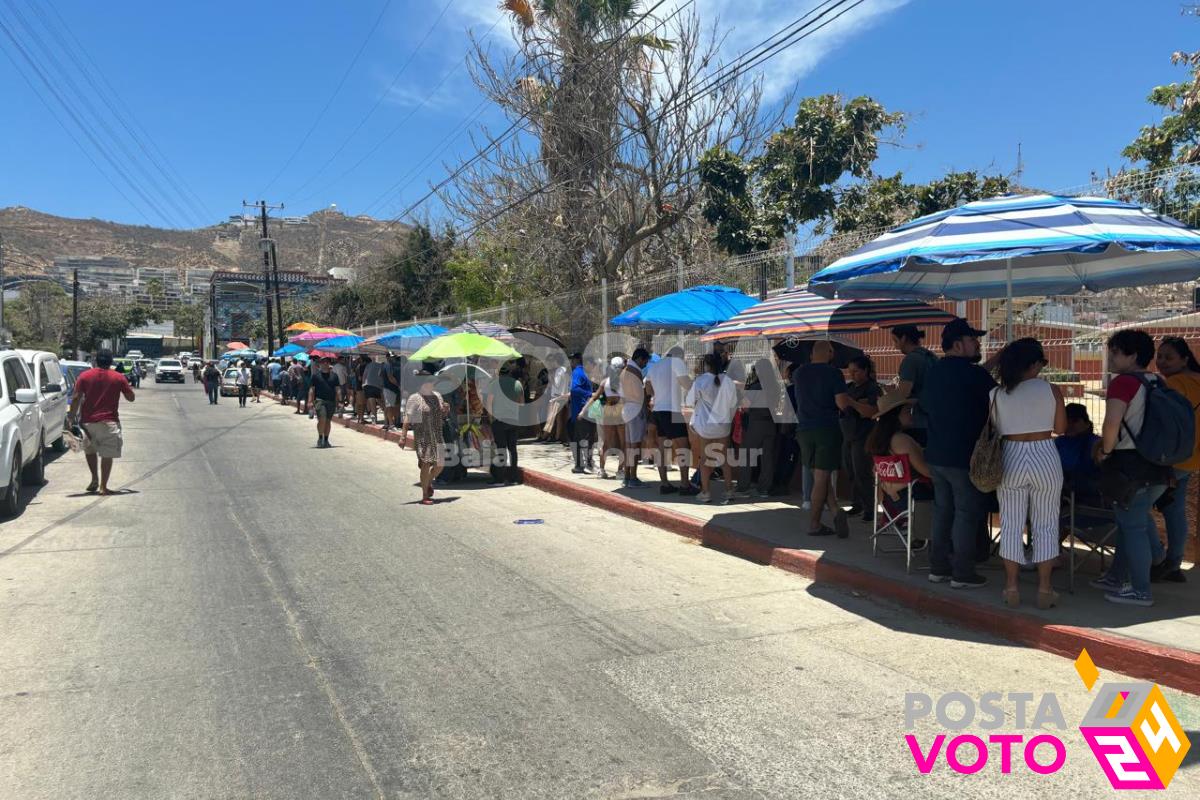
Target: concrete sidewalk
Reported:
[(1161, 643)]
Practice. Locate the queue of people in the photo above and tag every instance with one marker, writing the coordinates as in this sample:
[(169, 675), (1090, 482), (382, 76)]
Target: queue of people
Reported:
[(718, 433)]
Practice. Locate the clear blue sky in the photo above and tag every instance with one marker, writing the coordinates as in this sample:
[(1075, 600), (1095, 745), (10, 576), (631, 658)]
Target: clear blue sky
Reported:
[(226, 91)]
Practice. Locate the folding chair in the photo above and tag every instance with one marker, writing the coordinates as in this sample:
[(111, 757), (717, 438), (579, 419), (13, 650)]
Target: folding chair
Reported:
[(1092, 522), (889, 521)]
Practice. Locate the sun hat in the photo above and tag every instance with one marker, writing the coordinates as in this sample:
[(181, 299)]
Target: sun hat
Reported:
[(892, 400)]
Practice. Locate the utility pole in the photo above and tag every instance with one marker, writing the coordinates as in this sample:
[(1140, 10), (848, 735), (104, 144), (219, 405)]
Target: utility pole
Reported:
[(278, 304), (266, 245), (75, 312)]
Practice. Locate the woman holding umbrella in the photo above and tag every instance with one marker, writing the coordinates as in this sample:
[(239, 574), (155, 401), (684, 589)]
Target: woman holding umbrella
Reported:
[(425, 412)]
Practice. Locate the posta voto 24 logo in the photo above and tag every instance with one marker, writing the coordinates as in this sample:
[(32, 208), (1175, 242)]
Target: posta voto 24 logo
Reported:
[(1130, 728)]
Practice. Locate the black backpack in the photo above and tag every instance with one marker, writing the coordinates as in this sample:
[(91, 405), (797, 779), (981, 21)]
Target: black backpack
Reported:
[(1168, 434)]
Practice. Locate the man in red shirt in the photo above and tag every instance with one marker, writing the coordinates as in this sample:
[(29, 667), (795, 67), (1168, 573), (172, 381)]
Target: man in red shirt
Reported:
[(94, 403)]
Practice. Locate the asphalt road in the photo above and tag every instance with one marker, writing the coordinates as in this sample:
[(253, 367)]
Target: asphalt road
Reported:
[(253, 617)]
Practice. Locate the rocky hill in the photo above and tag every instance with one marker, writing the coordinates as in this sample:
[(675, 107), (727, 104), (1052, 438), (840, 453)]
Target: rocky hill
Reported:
[(329, 239)]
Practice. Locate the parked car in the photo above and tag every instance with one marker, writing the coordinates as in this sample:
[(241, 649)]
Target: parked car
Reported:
[(229, 383), (22, 444), (52, 395), (168, 369), (71, 372)]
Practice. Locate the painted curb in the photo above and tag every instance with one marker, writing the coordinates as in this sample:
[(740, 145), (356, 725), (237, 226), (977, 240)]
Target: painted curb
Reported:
[(1167, 666)]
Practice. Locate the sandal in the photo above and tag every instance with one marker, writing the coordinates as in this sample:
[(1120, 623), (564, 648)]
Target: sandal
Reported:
[(824, 530), (1012, 597), (1047, 599)]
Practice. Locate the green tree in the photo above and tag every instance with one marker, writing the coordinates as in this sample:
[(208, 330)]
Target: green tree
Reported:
[(107, 317), (796, 180), (189, 320), (39, 319), (1173, 141), (885, 202)]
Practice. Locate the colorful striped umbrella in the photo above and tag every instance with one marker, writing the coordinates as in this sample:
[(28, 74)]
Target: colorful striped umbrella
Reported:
[(798, 313), (408, 339), (340, 344), (309, 338), (1018, 246)]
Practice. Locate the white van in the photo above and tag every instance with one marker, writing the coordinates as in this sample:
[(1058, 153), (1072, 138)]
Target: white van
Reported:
[(52, 395), (21, 443)]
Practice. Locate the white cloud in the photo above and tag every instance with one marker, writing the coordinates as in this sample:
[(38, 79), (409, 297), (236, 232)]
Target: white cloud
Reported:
[(744, 23)]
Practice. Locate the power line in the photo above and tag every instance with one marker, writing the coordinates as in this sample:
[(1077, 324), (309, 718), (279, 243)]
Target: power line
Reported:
[(378, 101), (512, 128), (8, 33), (128, 119), (47, 55), (337, 89), (776, 43)]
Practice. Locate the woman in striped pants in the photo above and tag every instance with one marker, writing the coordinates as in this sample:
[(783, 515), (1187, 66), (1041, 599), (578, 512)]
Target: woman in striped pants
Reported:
[(1027, 411)]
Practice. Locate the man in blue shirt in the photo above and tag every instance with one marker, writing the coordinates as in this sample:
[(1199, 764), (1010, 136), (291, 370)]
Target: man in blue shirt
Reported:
[(955, 399), (582, 430)]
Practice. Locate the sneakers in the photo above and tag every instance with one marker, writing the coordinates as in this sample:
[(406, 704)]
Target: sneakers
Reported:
[(742, 494), (1106, 583), (703, 497), (806, 505), (1174, 576), (578, 470), (603, 474), (935, 578), (1127, 596), (973, 582), (668, 488), (689, 491), (634, 483)]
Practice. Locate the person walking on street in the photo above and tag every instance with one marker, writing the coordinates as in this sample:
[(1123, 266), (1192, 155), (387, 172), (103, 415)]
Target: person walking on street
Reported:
[(1026, 411), (322, 399), (560, 397), (243, 383), (425, 412), (212, 382), (955, 402), (1176, 363), (274, 370), (667, 383), (502, 405), (820, 397), (857, 421), (95, 404)]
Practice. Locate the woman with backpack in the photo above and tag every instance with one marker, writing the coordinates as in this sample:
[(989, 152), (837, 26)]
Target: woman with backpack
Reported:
[(1176, 363), (1027, 411), (1128, 479)]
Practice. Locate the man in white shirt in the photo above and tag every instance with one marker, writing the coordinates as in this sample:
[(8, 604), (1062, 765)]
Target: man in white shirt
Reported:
[(667, 383), (559, 391)]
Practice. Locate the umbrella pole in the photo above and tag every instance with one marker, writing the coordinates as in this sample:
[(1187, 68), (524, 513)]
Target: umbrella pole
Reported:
[(1008, 328)]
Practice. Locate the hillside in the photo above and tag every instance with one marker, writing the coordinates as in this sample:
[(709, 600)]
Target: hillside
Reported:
[(331, 239)]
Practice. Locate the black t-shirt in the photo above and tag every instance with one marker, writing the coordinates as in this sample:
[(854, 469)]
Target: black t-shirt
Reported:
[(817, 388), (324, 386)]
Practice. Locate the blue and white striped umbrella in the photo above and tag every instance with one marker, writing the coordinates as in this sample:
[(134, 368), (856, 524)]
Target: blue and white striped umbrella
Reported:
[(1018, 246)]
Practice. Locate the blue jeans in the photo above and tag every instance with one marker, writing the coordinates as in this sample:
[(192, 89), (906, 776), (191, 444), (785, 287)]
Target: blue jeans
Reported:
[(1175, 516), (1136, 533), (957, 513), (213, 389)]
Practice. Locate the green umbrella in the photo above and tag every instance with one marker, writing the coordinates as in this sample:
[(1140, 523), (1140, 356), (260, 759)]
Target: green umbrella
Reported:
[(464, 345)]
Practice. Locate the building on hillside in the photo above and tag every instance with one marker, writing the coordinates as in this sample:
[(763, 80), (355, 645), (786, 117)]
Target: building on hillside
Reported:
[(158, 288), (236, 303)]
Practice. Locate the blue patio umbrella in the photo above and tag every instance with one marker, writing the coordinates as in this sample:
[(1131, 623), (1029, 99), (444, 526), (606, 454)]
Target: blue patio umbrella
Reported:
[(697, 308), (288, 350), (1018, 245), (338, 344), (409, 339)]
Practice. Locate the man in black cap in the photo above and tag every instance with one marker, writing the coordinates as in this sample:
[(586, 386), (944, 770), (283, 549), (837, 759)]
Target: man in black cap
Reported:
[(955, 403)]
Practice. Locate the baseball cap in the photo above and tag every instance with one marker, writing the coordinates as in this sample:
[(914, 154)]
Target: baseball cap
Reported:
[(957, 329)]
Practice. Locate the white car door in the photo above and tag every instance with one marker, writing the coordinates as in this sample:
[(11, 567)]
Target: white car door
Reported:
[(16, 376), (54, 404)]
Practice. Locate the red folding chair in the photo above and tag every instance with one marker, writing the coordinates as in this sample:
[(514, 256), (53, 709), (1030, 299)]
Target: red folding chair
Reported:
[(891, 518)]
